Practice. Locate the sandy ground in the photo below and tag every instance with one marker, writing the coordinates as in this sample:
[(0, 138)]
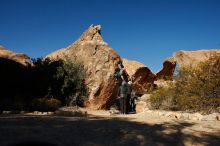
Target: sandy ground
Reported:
[(99, 128)]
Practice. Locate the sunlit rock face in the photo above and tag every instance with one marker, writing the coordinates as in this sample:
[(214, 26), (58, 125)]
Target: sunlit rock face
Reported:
[(168, 69), (100, 62), (193, 58), (17, 57)]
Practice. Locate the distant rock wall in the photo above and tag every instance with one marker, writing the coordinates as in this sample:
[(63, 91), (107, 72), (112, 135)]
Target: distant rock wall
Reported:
[(193, 58), (13, 70), (18, 57)]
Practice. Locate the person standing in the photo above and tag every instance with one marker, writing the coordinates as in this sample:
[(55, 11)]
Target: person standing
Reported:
[(122, 95), (132, 102), (129, 90)]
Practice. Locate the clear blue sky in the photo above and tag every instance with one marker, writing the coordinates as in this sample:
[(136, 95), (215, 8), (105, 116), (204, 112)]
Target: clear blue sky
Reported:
[(145, 30)]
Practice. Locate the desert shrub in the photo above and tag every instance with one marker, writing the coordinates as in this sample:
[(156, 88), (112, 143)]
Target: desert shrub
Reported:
[(45, 104), (41, 77), (70, 78), (162, 98), (195, 89), (60, 79)]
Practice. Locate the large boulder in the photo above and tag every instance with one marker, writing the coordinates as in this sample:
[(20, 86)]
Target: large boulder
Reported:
[(13, 69), (141, 75), (193, 58), (17, 57), (100, 62), (167, 72)]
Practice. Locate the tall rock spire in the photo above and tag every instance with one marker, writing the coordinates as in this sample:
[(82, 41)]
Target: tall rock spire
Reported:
[(100, 62)]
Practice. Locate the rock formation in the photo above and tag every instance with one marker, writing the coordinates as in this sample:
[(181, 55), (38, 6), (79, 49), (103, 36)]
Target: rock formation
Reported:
[(100, 62), (192, 58), (18, 57), (167, 72), (12, 73), (141, 75)]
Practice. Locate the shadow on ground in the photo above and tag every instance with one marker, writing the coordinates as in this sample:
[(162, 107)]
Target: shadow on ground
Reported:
[(96, 131)]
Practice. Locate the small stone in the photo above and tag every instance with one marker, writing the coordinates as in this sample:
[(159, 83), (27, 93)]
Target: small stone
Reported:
[(211, 117), (50, 113), (22, 112), (196, 116), (36, 112), (177, 115), (6, 112), (161, 113), (218, 117), (185, 116), (140, 106)]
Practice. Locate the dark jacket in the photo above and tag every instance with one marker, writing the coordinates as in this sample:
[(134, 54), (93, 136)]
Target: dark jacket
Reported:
[(123, 90)]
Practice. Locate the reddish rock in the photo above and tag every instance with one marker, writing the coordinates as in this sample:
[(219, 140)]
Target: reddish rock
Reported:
[(100, 62), (167, 72), (141, 75)]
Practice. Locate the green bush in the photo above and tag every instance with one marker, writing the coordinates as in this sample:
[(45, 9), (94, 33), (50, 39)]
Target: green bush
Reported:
[(70, 77), (194, 89), (60, 79), (45, 104)]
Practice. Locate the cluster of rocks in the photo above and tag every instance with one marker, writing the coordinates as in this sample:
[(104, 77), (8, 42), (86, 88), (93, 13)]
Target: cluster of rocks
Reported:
[(142, 106), (185, 116), (66, 111), (39, 113)]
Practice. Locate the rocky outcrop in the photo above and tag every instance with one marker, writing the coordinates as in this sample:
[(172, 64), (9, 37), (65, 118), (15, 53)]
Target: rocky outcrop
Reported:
[(141, 75), (100, 62), (167, 72), (18, 57), (13, 69), (193, 58)]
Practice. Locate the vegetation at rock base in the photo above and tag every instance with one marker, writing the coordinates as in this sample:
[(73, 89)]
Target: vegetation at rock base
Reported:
[(45, 104), (70, 77), (194, 89), (45, 85)]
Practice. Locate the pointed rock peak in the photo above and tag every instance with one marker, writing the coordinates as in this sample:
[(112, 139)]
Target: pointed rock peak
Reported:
[(92, 35)]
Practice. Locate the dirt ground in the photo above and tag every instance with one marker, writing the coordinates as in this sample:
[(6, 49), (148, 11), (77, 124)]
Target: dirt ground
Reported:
[(100, 128)]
